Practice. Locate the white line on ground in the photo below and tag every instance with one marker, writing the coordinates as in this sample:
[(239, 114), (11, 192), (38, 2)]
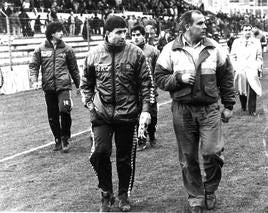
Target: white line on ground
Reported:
[(52, 142)]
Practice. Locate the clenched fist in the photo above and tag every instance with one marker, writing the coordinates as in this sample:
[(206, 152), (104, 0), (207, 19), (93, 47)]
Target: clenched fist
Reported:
[(188, 78)]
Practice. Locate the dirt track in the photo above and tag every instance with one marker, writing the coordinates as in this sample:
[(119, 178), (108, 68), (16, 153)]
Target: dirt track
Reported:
[(47, 181)]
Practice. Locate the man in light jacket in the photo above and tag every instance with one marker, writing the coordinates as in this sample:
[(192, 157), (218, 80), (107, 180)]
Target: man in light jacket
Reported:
[(197, 72), (246, 57)]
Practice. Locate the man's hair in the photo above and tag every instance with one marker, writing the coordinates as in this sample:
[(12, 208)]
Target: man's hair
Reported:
[(246, 25), (186, 19), (52, 28), (139, 28)]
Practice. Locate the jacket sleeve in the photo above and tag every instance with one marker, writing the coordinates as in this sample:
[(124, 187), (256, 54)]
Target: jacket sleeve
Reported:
[(88, 81), (73, 67), (35, 64), (225, 81), (166, 78), (145, 82)]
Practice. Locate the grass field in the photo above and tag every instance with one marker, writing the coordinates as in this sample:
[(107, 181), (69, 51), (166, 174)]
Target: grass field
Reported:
[(43, 180)]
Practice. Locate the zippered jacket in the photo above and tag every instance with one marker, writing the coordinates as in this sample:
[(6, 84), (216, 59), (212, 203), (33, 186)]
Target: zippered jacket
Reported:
[(213, 74), (116, 79), (58, 66)]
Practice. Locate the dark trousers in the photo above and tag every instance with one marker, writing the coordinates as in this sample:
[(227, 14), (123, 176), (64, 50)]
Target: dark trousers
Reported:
[(125, 138), (152, 126), (199, 127), (59, 105), (249, 100)]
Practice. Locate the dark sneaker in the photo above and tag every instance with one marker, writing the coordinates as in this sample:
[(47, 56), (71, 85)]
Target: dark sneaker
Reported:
[(195, 209), (210, 201), (65, 144), (107, 201), (152, 142), (58, 145), (124, 204), (141, 145)]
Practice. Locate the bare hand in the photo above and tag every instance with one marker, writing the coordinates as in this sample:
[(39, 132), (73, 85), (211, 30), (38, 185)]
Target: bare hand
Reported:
[(188, 78)]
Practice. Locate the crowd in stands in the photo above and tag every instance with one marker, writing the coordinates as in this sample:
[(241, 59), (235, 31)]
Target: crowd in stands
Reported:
[(163, 13)]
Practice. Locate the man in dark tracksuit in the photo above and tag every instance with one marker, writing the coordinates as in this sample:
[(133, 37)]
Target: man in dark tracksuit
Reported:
[(151, 53), (116, 75), (58, 65), (196, 71)]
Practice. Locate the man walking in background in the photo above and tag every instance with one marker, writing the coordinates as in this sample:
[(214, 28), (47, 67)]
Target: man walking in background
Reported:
[(58, 64), (151, 53), (116, 86), (196, 72), (246, 56)]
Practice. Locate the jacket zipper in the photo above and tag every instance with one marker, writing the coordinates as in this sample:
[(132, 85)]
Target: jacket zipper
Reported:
[(113, 82)]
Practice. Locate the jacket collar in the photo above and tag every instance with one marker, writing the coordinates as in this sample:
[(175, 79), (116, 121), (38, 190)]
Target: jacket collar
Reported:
[(113, 48), (60, 44), (179, 44)]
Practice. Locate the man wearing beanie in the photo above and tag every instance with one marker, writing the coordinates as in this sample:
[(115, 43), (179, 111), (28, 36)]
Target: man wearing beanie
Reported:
[(58, 65), (116, 87), (151, 53)]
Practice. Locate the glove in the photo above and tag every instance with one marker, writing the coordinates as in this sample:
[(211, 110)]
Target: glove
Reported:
[(226, 115), (142, 132), (35, 85), (145, 120)]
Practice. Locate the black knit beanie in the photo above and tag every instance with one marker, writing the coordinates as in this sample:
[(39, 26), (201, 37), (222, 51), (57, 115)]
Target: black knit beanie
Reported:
[(114, 22)]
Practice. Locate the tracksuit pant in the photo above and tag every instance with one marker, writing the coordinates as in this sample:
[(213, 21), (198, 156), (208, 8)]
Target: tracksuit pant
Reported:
[(125, 138), (59, 105), (199, 127)]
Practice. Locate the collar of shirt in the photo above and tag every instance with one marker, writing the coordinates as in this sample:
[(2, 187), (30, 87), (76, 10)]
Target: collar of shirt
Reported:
[(195, 50), (186, 43)]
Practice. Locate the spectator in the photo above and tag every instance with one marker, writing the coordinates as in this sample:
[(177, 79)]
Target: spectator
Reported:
[(25, 24), (15, 23), (86, 33), (37, 25), (151, 54), (196, 72), (230, 40), (246, 56), (71, 22), (58, 65), (165, 38), (96, 22), (115, 76), (78, 23)]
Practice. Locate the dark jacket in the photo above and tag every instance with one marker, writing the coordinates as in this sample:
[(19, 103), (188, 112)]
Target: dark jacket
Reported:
[(58, 66), (213, 71), (113, 78)]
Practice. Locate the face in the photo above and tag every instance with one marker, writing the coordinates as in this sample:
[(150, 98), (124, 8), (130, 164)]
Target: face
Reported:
[(57, 35), (117, 36), (198, 28), (137, 37), (247, 31)]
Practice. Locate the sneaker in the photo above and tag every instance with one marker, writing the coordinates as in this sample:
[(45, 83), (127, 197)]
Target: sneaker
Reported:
[(65, 144), (195, 209), (152, 142), (124, 204), (141, 144), (58, 145), (210, 200), (107, 201)]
